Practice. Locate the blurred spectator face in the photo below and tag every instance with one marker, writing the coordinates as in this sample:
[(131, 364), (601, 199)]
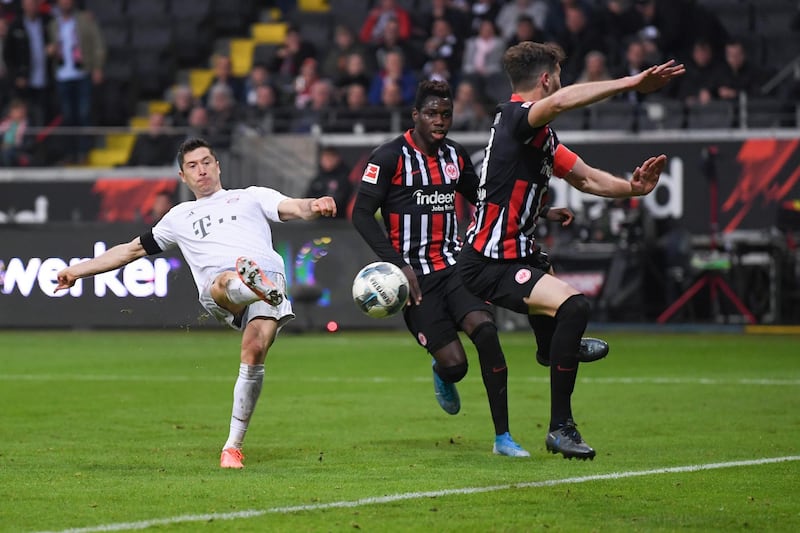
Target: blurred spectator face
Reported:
[(343, 37), (646, 8), (18, 111), (391, 33), (292, 40), (182, 99), (355, 65), (465, 92), (329, 159), (702, 54), (440, 29), (222, 67), (155, 124), (486, 30), (321, 93), (259, 75), (30, 8), (220, 99), (161, 204), (635, 54), (198, 117), (439, 70), (265, 97), (308, 69), (393, 64), (595, 65), (574, 19), (525, 29), (735, 55), (388, 5), (66, 6), (356, 97), (391, 95)]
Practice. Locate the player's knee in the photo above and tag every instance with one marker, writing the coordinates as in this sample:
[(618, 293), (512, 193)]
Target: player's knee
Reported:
[(452, 374), (575, 308), (483, 332)]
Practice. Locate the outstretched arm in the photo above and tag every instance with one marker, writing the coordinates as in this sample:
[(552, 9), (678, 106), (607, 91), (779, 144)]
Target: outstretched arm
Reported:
[(583, 94), (306, 208), (116, 257), (601, 183)]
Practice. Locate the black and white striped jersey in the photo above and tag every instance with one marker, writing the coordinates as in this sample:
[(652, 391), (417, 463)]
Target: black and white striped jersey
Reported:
[(416, 195)]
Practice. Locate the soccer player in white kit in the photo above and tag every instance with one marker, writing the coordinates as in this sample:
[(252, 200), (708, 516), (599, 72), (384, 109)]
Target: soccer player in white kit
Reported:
[(224, 235)]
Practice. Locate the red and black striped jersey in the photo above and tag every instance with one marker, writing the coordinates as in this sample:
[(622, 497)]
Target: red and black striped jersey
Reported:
[(416, 195), (514, 178)]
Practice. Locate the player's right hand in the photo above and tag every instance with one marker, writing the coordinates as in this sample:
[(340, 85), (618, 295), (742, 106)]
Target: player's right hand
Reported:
[(415, 293), (65, 280)]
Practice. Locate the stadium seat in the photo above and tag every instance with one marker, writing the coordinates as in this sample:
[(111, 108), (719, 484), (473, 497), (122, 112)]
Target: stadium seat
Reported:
[(574, 120), (612, 115), (768, 113), (190, 34), (713, 115), (317, 6), (660, 114), (241, 54), (269, 32), (200, 80), (317, 28)]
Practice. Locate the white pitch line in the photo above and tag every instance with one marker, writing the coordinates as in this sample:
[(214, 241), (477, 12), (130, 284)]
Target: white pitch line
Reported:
[(655, 380), (144, 524)]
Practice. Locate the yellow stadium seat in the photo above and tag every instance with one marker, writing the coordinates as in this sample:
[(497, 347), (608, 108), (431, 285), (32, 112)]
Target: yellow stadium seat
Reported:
[(158, 106), (242, 56), (319, 6), (120, 141), (199, 81), (108, 157), (269, 32), (139, 123)]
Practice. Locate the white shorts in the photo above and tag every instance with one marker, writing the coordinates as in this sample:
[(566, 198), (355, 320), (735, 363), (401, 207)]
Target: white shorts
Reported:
[(282, 313)]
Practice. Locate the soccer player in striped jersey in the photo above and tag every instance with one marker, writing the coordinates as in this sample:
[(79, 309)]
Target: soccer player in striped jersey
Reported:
[(413, 180), (500, 262), (226, 239)]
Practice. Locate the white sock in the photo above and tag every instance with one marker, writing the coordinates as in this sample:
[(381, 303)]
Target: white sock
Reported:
[(239, 293), (245, 396)]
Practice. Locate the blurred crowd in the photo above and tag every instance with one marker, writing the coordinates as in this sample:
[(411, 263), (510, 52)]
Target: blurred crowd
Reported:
[(365, 76)]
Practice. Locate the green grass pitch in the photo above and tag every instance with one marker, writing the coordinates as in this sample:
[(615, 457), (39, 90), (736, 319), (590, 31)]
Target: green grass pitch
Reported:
[(115, 431)]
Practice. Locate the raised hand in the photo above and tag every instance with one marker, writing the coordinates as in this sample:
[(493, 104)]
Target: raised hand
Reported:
[(645, 177), (658, 76)]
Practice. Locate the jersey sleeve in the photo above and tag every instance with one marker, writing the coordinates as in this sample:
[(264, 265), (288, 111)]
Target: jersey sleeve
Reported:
[(161, 235), (372, 191), (268, 199), (468, 180), (521, 129)]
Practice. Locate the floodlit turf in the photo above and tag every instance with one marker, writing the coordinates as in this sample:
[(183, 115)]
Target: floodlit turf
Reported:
[(103, 429)]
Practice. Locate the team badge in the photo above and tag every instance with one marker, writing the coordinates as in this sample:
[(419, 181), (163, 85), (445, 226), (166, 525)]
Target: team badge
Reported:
[(371, 173), (451, 171), (522, 275), (422, 339)]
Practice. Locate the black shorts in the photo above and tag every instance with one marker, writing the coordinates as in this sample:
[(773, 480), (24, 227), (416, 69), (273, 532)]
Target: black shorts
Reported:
[(445, 302), (503, 283)]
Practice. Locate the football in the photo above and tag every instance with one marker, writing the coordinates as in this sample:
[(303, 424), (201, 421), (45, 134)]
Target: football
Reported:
[(380, 290)]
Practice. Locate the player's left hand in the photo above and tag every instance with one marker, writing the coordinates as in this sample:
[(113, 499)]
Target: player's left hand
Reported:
[(325, 206), (560, 214), (645, 177)]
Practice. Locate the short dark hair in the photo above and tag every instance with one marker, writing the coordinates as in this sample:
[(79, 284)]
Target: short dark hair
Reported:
[(428, 88), (190, 144), (525, 62)]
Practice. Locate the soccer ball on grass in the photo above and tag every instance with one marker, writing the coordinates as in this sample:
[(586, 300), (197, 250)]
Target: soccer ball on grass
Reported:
[(380, 290)]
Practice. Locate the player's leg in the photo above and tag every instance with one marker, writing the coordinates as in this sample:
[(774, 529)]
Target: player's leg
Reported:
[(553, 297), (432, 326), (544, 326), (481, 329), (258, 336), (235, 290)]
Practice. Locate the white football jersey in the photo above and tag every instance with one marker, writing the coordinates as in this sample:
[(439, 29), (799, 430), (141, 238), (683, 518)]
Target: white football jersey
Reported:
[(213, 232)]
